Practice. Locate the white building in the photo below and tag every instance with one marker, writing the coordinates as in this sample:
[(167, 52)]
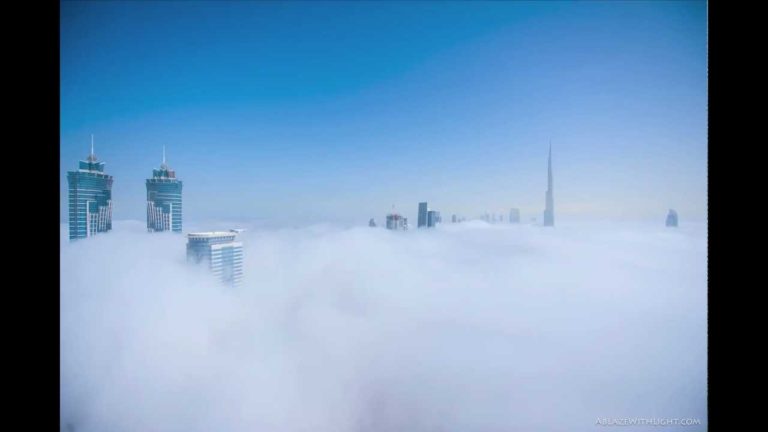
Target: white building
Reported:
[(222, 253)]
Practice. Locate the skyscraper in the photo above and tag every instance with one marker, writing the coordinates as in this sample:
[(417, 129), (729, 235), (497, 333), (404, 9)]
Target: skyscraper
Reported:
[(514, 215), (90, 198), (671, 218), (222, 253), (433, 218), (453, 219), (422, 220), (164, 199), (397, 222), (549, 211)]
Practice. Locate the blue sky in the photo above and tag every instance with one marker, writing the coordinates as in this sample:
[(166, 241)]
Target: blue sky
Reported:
[(301, 112)]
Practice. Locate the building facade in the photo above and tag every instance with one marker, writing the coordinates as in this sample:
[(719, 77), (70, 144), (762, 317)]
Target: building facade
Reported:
[(421, 222), (397, 222), (433, 218), (90, 198), (514, 215), (220, 251), (164, 209)]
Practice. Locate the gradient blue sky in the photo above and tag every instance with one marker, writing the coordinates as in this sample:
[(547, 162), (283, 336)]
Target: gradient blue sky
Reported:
[(303, 112)]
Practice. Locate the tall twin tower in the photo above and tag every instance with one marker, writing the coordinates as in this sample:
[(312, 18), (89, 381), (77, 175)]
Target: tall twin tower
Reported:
[(90, 199), (164, 199)]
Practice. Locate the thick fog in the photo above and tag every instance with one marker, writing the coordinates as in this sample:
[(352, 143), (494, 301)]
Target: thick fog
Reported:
[(467, 327)]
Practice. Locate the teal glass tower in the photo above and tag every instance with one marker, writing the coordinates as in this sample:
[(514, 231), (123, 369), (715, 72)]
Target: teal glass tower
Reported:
[(164, 200), (90, 198)]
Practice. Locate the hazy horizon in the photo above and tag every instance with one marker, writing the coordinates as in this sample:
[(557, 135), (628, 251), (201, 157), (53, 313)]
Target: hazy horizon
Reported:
[(298, 113)]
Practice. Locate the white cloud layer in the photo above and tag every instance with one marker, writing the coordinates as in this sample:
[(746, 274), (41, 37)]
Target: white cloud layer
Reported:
[(469, 327)]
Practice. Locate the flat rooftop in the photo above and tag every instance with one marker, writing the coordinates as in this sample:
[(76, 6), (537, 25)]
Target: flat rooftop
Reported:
[(211, 234)]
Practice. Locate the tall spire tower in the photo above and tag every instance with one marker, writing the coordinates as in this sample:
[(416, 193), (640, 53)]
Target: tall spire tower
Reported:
[(164, 199), (549, 210), (90, 198)]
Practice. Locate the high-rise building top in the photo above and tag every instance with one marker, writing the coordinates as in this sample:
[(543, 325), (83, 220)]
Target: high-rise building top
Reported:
[(433, 218), (212, 237), (222, 253), (397, 222), (514, 215), (427, 218), (90, 198), (165, 172), (421, 222), (164, 204), (549, 210), (671, 218)]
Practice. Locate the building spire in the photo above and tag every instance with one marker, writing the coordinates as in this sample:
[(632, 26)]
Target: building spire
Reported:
[(549, 209), (549, 167), (92, 155), (163, 154)]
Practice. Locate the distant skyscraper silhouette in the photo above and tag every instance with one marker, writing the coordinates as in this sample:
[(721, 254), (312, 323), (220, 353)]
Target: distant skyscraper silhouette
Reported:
[(372, 223), (90, 198), (672, 218), (514, 215), (164, 200), (421, 222), (396, 222), (433, 218), (453, 219), (549, 211)]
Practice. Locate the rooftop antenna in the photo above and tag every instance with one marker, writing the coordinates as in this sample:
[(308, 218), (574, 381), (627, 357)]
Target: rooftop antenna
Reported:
[(163, 154), (91, 157)]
